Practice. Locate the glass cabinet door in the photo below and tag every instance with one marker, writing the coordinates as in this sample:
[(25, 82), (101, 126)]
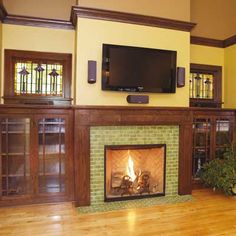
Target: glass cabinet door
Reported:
[(51, 155), (201, 144), (15, 156), (224, 136)]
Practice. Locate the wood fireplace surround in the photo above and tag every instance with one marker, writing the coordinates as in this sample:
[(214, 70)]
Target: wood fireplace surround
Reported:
[(86, 117)]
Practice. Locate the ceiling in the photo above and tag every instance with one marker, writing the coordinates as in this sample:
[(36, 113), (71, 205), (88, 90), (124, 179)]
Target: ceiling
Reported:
[(215, 18)]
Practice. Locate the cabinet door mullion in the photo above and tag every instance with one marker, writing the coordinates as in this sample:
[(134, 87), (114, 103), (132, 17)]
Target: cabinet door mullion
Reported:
[(34, 155)]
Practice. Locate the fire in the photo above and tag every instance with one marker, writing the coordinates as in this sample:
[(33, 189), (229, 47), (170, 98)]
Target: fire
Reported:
[(130, 168)]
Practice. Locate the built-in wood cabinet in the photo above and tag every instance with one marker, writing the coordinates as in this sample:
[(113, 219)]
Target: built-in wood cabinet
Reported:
[(45, 150), (36, 156), (212, 135)]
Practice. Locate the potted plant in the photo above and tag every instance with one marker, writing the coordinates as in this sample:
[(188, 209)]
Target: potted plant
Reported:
[(220, 173)]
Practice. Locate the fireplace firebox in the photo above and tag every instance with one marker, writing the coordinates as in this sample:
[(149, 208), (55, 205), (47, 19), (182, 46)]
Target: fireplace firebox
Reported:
[(134, 171)]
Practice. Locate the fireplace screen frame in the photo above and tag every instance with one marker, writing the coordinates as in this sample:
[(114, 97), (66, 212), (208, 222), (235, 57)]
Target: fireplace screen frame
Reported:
[(130, 147)]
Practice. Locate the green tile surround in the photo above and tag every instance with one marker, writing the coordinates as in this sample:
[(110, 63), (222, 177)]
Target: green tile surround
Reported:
[(128, 135)]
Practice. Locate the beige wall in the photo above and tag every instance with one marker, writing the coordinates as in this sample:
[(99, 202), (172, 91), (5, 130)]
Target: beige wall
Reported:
[(37, 39), (209, 56), (173, 9), (206, 55), (230, 77), (92, 34), (60, 9), (215, 18), (53, 9)]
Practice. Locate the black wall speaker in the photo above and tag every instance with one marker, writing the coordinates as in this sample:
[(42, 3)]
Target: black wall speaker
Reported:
[(180, 77), (140, 99), (92, 71)]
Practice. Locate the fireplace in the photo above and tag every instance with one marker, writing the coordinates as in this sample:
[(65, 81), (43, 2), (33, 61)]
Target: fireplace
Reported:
[(134, 171)]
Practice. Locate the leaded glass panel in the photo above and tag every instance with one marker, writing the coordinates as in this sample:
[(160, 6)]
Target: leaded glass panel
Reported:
[(38, 79), (201, 86)]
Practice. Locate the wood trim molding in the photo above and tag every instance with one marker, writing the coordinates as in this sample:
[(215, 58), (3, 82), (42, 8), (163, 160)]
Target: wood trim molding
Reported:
[(213, 42), (99, 14), (34, 21), (3, 12), (207, 41), (230, 41)]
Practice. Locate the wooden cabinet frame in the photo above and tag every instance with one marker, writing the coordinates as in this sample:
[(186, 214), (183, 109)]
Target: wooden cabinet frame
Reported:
[(34, 196), (211, 117)]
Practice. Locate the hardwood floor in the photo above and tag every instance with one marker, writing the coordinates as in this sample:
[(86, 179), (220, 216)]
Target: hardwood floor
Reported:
[(209, 214)]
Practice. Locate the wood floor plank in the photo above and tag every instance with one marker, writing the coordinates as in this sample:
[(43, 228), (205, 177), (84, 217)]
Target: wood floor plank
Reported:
[(209, 214)]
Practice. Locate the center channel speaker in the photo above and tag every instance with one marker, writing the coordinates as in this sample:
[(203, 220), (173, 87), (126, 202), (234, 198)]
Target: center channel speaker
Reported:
[(138, 99)]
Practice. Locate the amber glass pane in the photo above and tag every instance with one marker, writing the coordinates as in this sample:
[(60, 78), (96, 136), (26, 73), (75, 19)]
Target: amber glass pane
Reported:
[(15, 164), (34, 78), (201, 86), (51, 168)]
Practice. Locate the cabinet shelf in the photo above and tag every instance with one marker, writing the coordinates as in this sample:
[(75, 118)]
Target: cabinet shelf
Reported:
[(201, 157), (51, 174), (201, 131), (52, 132), (55, 156), (203, 147), (14, 154), (15, 175), (15, 132)]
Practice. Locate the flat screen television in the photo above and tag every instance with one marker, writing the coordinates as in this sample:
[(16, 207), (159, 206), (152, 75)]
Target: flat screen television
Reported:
[(135, 69)]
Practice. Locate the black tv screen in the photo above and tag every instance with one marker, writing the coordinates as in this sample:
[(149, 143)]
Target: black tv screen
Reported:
[(135, 69)]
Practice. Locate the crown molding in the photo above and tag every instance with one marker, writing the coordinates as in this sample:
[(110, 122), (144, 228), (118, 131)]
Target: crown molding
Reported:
[(3, 12), (230, 41), (213, 42), (99, 14), (36, 21), (32, 21), (207, 41)]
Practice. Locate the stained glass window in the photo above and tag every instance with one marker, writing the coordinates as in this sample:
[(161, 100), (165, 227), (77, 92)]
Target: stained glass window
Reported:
[(34, 78), (201, 86)]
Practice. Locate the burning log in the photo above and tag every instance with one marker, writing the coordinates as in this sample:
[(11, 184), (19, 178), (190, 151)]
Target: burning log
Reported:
[(116, 179), (122, 184), (144, 182), (126, 185)]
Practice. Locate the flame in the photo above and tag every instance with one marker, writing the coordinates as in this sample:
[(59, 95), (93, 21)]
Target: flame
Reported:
[(130, 168)]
